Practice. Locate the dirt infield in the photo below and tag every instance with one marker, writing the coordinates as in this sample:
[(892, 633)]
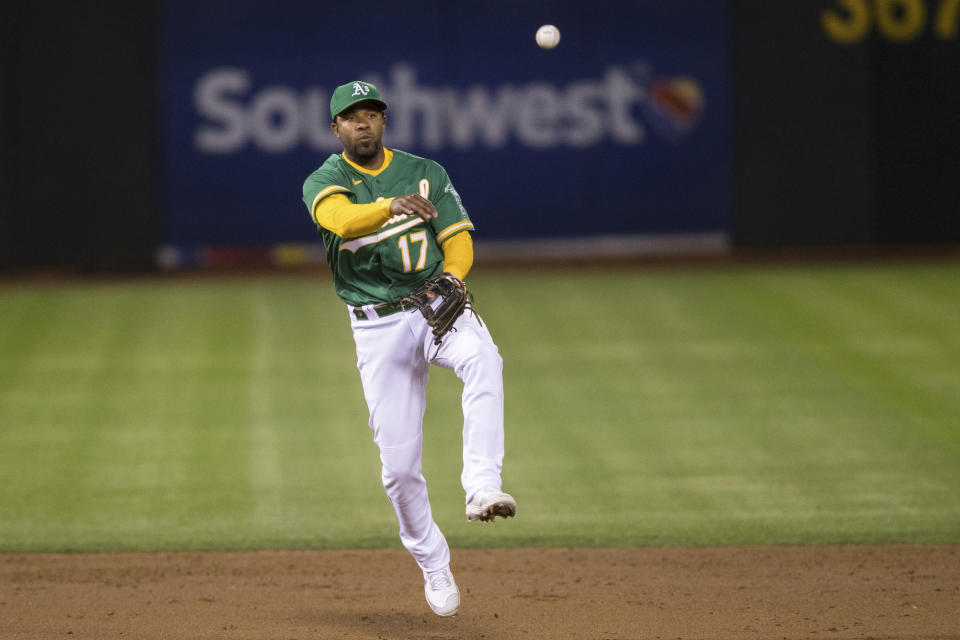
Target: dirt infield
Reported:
[(759, 592)]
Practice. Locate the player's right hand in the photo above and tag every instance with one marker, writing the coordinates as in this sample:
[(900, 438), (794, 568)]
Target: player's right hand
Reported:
[(413, 205)]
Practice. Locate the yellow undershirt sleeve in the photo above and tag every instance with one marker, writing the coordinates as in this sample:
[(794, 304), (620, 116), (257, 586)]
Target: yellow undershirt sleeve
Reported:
[(458, 254), (348, 220)]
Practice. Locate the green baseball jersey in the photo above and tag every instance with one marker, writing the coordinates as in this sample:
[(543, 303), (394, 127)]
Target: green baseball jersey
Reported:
[(388, 264)]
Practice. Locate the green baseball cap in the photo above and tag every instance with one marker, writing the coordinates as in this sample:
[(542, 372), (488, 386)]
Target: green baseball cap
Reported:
[(347, 95)]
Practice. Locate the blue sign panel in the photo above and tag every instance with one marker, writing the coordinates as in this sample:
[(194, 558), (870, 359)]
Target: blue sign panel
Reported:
[(623, 128)]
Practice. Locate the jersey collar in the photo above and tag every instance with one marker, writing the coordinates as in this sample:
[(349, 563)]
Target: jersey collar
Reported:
[(387, 158)]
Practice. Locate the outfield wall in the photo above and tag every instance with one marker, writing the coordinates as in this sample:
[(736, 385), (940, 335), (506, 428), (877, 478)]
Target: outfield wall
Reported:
[(846, 117), (189, 127), (622, 130)]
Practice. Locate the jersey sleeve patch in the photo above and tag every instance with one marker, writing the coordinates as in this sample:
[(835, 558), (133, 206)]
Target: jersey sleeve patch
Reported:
[(454, 229)]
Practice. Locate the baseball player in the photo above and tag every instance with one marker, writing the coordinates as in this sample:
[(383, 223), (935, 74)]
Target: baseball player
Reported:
[(391, 222)]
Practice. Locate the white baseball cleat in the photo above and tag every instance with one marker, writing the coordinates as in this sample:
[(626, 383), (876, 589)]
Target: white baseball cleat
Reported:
[(487, 504), (442, 593)]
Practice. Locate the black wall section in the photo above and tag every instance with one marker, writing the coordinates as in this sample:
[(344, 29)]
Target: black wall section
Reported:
[(847, 132), (917, 98), (79, 132), (802, 127), (7, 176)]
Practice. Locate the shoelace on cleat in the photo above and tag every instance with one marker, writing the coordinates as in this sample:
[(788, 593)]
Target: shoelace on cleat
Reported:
[(439, 580)]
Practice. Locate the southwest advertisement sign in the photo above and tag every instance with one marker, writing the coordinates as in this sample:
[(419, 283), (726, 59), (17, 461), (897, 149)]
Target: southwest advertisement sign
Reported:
[(622, 131)]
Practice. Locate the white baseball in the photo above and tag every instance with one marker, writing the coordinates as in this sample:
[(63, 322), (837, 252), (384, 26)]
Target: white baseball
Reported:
[(548, 36)]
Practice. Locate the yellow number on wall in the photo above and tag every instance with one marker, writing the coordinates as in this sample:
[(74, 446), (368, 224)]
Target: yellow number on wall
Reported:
[(849, 25), (946, 22), (901, 20), (850, 21)]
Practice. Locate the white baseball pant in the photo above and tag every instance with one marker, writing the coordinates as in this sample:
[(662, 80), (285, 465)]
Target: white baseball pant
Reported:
[(394, 354)]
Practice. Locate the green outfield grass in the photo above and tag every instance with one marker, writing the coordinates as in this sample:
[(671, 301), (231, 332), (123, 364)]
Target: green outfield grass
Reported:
[(694, 406)]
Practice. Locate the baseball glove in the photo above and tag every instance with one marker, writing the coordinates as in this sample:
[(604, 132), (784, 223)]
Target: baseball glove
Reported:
[(455, 299)]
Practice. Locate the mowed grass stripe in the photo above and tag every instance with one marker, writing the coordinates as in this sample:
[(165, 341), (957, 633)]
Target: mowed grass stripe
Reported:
[(758, 415), (749, 405), (884, 345)]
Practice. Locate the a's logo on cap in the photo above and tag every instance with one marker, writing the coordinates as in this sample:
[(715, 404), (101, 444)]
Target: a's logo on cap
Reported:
[(360, 89)]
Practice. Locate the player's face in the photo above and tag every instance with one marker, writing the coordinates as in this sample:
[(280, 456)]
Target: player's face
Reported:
[(360, 131)]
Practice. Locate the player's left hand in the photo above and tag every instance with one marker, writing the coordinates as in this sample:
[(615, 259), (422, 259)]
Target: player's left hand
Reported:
[(456, 299)]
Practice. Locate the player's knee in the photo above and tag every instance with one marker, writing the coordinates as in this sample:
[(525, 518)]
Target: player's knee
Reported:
[(401, 464), (400, 479)]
